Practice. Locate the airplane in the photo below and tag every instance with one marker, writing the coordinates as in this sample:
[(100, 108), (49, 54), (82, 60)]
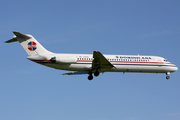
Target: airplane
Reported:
[(95, 63)]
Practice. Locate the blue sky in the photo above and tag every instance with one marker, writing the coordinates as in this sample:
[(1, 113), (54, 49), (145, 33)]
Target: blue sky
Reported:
[(31, 91)]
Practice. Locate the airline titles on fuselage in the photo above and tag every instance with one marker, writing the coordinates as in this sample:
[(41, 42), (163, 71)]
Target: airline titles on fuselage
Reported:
[(120, 58)]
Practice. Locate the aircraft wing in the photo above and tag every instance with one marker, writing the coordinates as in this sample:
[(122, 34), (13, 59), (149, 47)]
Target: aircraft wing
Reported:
[(100, 62), (76, 73)]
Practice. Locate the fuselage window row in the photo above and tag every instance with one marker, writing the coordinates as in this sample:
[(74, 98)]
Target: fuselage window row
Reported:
[(116, 59)]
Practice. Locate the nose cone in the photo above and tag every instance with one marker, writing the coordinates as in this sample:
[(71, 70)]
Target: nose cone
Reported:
[(175, 68)]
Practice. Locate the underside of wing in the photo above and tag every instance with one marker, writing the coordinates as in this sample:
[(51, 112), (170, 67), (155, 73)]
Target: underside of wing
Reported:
[(76, 73)]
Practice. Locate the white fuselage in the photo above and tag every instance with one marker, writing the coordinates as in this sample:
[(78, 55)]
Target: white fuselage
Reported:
[(122, 63)]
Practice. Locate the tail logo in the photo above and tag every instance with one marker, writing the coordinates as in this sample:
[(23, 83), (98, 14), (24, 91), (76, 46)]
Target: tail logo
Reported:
[(32, 46)]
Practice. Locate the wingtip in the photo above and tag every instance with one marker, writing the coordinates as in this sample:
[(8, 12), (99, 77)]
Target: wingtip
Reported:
[(95, 51), (6, 42)]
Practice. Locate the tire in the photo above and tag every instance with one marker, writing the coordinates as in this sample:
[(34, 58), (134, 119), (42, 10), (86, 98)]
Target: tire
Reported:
[(167, 77), (90, 77), (96, 73)]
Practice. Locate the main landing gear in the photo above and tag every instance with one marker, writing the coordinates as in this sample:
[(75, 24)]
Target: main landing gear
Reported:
[(167, 77), (96, 73), (90, 77)]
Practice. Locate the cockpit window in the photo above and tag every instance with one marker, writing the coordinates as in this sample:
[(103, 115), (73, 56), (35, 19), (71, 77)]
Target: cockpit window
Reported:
[(165, 60)]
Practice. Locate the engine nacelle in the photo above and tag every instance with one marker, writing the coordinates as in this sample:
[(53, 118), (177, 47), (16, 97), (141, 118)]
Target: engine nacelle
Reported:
[(67, 60)]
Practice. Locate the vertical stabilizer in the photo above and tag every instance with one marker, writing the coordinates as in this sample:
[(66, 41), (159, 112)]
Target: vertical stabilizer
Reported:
[(29, 43)]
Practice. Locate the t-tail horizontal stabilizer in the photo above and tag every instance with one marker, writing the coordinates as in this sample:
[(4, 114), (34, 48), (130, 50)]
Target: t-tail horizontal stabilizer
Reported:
[(19, 35), (29, 43)]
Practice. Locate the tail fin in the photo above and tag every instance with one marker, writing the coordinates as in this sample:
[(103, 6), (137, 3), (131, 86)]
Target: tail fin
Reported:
[(29, 43)]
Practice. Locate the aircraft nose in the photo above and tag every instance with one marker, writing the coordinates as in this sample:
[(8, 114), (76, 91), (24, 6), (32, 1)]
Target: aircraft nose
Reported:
[(175, 68)]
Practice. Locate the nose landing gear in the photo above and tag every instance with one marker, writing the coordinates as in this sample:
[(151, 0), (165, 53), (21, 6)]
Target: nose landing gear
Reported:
[(167, 77)]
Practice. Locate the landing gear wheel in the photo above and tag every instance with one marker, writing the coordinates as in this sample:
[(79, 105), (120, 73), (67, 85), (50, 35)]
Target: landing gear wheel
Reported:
[(96, 73), (167, 77), (90, 77)]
